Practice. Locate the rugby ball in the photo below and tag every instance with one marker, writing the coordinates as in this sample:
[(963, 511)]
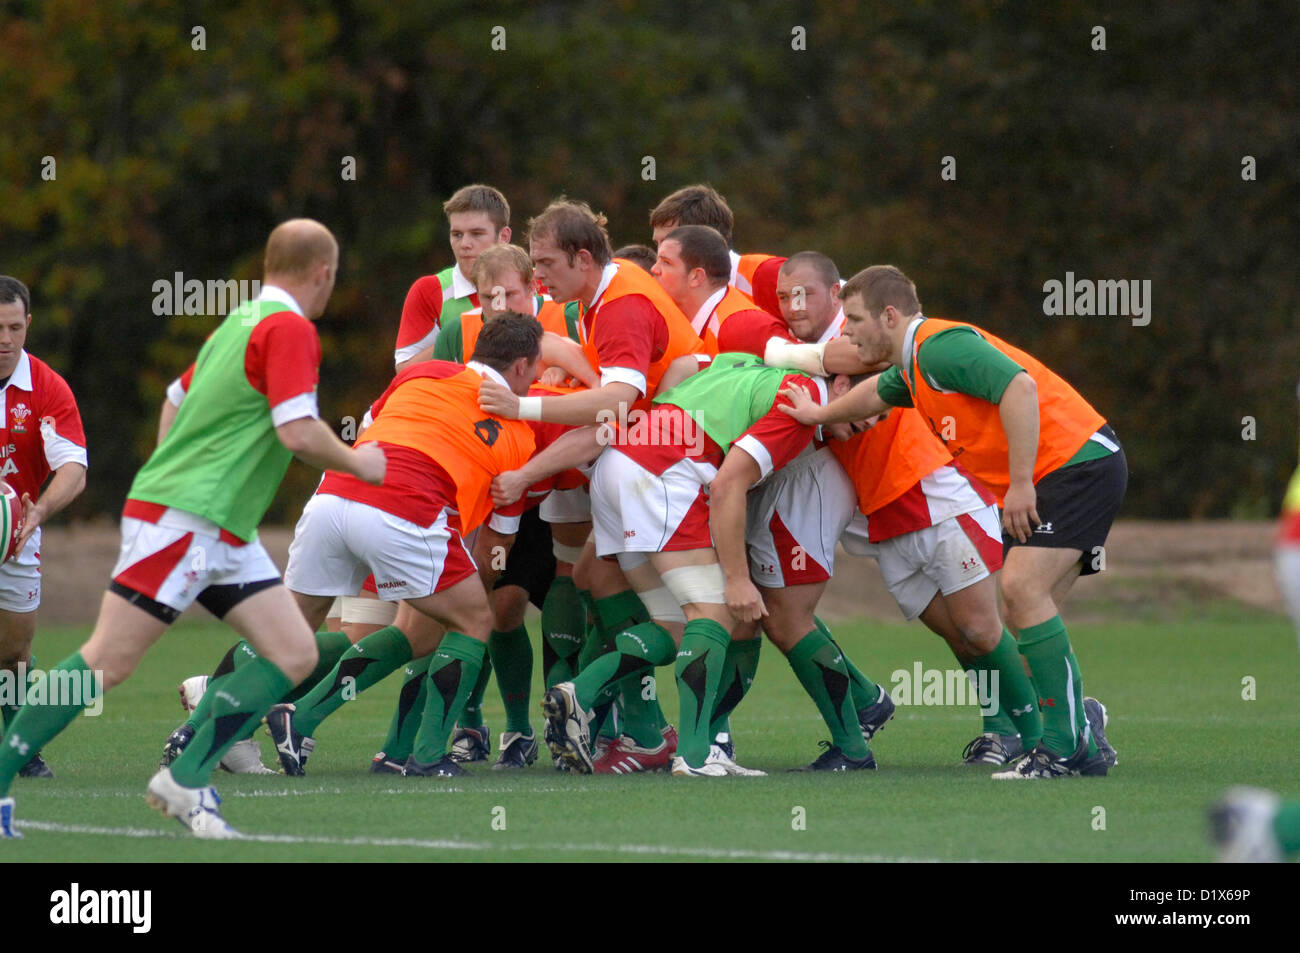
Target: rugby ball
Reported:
[(11, 519)]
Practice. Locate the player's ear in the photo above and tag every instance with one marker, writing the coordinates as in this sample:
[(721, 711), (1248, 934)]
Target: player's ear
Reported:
[(503, 236)]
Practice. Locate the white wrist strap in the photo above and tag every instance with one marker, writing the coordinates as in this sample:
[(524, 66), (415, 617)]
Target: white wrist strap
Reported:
[(809, 358), (530, 408)]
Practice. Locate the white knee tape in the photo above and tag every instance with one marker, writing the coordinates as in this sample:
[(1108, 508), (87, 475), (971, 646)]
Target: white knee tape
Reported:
[(662, 606), (368, 611), (630, 561), (566, 554), (698, 584), (336, 608)]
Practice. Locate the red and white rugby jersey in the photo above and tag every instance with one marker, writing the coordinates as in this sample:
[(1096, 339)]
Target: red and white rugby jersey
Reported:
[(424, 309), (42, 426)]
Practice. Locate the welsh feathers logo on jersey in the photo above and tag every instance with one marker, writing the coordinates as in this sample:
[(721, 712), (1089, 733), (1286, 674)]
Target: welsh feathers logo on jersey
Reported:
[(20, 413)]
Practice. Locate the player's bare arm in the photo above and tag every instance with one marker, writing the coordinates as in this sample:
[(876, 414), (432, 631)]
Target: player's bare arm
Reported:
[(841, 357), (1019, 412), (680, 369), (576, 410), (727, 496), (166, 417), (861, 402), (571, 450), (567, 355), (312, 442), (490, 552), (64, 487)]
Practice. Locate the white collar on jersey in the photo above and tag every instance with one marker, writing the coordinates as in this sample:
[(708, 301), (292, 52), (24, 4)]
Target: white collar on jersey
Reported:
[(461, 287), (736, 277), (606, 276), (491, 373), (909, 340), (22, 375), (280, 296), (701, 319), (833, 330)]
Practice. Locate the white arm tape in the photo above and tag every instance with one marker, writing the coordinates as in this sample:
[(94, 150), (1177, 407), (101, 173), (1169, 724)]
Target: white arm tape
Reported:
[(530, 408), (809, 358)]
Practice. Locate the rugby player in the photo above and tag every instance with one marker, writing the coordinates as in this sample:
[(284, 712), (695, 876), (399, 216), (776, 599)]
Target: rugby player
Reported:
[(42, 440), (189, 527), (478, 217), (442, 452), (1048, 457)]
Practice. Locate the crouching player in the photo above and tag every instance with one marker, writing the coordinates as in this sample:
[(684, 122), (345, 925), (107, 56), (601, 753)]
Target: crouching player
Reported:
[(42, 430), (443, 452), (189, 527)]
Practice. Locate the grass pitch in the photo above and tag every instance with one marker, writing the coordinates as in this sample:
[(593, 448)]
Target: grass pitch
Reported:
[(1175, 690)]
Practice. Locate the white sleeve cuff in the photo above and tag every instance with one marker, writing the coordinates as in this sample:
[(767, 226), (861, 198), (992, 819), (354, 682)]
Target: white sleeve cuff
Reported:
[(809, 358), (751, 445), (295, 408), (60, 450), (505, 525), (408, 352), (176, 392), (623, 375)]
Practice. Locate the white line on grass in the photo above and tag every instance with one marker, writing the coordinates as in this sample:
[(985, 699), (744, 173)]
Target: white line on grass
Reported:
[(639, 850)]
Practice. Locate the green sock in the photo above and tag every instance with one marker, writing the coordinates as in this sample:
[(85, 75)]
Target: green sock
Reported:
[(410, 706), (564, 623), (1016, 697), (472, 714), (453, 669), (1287, 826), (1047, 649), (38, 722), (819, 665), (512, 657), (865, 692), (330, 646), (367, 663), (248, 695), (998, 723), (738, 672), (699, 671), (636, 651), (7, 712), (642, 717)]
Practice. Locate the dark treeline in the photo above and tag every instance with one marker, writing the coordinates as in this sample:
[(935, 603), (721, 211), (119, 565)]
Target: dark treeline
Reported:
[(179, 134)]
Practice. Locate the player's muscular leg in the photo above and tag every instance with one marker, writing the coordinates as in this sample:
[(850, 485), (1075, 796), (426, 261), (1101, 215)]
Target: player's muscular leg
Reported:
[(17, 629), (461, 608), (973, 612), (601, 577), (938, 620), (422, 632), (1029, 576), (667, 562), (509, 604), (273, 622), (644, 578), (313, 608), (122, 634), (790, 613)]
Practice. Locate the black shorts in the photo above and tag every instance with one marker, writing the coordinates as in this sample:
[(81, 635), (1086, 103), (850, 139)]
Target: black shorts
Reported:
[(1077, 505), (531, 563)]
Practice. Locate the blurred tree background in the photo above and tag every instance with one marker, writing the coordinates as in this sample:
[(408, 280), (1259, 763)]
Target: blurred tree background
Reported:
[(1123, 163)]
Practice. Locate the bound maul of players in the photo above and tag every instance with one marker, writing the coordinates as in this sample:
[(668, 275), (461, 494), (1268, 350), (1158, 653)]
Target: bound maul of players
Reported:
[(659, 449)]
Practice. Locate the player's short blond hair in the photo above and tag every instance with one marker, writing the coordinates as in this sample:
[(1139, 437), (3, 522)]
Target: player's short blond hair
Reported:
[(881, 286), (297, 246), (498, 259), (480, 198)]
